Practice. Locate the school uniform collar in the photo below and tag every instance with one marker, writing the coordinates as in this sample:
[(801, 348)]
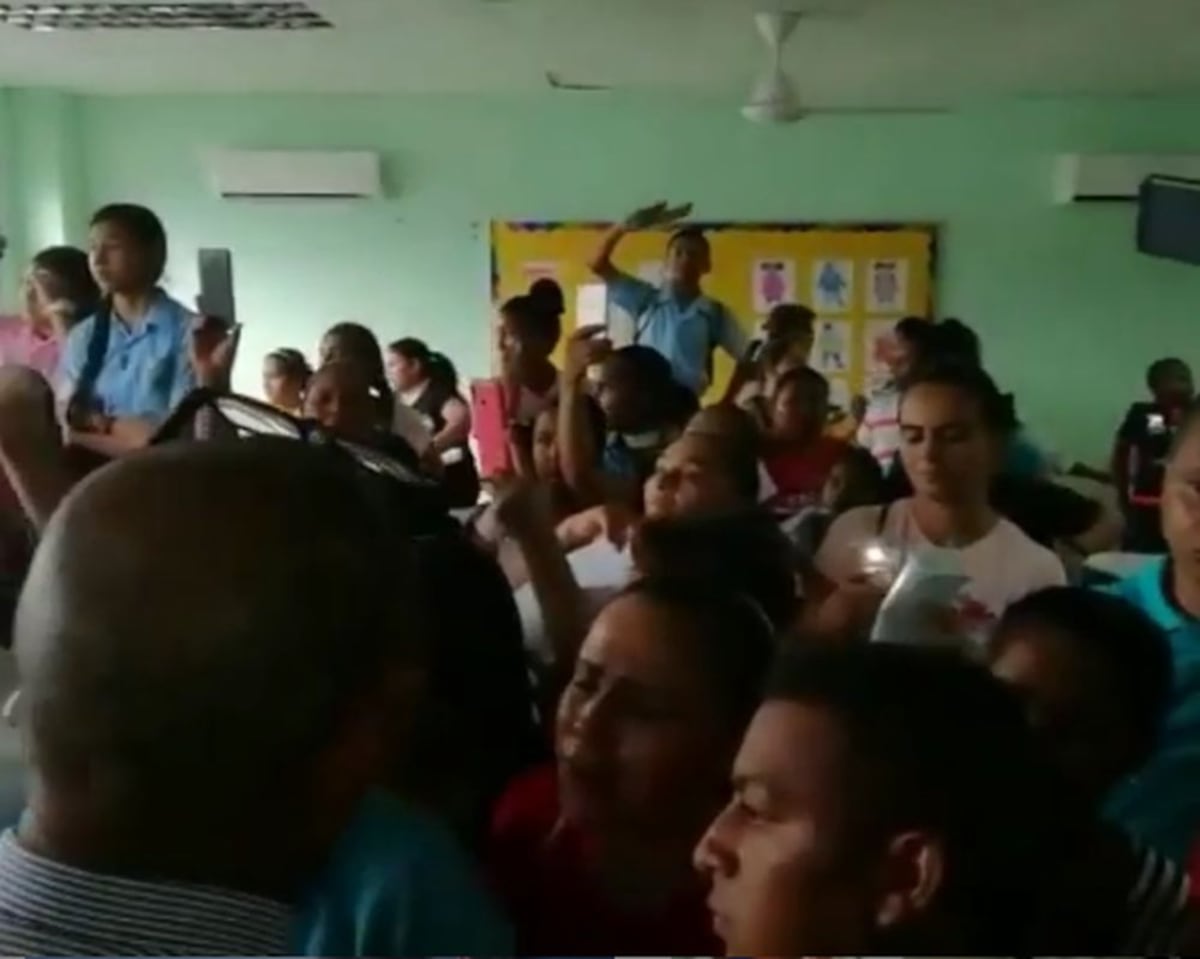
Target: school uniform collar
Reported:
[(151, 318)]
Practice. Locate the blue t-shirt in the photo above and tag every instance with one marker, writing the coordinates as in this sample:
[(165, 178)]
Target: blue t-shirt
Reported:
[(399, 885), (1160, 804), (147, 369), (686, 333)]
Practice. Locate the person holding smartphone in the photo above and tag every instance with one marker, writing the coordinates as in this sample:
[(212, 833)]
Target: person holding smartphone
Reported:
[(677, 319), (1140, 449)]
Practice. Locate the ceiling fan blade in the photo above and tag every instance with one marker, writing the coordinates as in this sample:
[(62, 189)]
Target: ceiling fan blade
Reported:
[(556, 82)]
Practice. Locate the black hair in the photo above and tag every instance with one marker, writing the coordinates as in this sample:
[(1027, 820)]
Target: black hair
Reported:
[(547, 295), (649, 372), (733, 637), (691, 234), (295, 366), (956, 342), (701, 547), (143, 226), (864, 484), (1129, 645), (789, 322), (939, 746), (69, 278), (593, 418), (802, 377), (775, 351), (995, 408), (532, 319), (437, 366), (361, 347), (1164, 368)]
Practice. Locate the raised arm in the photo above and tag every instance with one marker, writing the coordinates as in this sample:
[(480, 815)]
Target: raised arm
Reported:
[(647, 218), (578, 457)]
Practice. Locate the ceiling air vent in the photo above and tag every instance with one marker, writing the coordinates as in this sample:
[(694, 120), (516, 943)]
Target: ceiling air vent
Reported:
[(277, 15)]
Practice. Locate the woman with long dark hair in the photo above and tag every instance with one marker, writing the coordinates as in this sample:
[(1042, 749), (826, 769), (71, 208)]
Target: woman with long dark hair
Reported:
[(427, 383)]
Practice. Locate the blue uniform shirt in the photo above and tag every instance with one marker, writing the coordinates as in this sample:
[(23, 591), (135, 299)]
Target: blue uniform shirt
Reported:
[(1160, 804), (686, 333), (147, 369)]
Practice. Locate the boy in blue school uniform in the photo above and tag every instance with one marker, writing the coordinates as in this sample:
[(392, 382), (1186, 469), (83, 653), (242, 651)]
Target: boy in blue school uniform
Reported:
[(1160, 804), (677, 319)]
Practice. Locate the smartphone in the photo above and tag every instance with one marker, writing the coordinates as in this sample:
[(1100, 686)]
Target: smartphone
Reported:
[(489, 416), (216, 286)]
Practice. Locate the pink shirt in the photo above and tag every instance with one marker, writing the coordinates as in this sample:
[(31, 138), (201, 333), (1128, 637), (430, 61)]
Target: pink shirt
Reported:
[(21, 346)]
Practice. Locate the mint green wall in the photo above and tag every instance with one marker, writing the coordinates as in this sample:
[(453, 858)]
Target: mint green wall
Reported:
[(1069, 313)]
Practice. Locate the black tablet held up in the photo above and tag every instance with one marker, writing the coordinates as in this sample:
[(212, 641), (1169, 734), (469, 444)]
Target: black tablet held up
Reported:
[(1169, 218), (216, 286)]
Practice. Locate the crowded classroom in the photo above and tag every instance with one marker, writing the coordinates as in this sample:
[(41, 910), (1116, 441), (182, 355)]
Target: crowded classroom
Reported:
[(444, 547)]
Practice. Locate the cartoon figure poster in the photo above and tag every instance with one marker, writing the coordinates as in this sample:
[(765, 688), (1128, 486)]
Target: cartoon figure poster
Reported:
[(879, 342), (887, 286), (831, 347), (832, 286), (774, 282)]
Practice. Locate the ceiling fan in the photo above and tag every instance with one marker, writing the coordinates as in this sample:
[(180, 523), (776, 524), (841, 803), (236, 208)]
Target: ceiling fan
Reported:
[(774, 98)]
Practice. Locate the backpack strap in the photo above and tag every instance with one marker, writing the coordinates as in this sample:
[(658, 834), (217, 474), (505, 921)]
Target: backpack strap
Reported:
[(85, 387)]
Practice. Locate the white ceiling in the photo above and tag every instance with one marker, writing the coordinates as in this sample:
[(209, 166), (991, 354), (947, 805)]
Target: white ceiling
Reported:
[(856, 53)]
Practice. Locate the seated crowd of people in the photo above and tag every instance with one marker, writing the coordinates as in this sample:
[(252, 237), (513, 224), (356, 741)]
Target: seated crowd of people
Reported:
[(756, 678)]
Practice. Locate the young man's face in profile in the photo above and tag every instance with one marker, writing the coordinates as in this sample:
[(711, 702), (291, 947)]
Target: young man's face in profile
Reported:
[(787, 876)]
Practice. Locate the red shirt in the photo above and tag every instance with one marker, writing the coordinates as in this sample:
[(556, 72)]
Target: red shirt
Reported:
[(540, 874), (800, 475)]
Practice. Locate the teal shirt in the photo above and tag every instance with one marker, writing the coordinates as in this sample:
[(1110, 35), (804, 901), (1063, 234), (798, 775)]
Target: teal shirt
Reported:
[(399, 885), (1160, 804)]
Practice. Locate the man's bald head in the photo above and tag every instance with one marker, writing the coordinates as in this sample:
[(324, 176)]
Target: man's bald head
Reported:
[(200, 619)]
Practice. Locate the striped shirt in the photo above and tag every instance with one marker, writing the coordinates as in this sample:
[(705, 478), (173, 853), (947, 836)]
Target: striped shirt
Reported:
[(47, 908), (879, 433)]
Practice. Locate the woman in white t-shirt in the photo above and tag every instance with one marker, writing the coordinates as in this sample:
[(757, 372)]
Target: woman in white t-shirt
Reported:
[(952, 423)]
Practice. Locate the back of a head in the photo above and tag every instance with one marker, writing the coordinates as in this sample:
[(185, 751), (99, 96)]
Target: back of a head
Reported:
[(746, 551), (547, 295), (731, 638), (947, 752), (197, 624), (788, 322), (1131, 650), (533, 320), (729, 423), (956, 342), (68, 279)]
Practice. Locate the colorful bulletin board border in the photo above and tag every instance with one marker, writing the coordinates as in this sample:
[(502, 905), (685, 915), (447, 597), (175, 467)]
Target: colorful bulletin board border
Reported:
[(860, 278)]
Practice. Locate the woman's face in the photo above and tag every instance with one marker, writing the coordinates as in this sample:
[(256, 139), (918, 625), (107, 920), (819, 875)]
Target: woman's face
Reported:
[(341, 402), (403, 373), (620, 399), (639, 744), (947, 451), (692, 477), (36, 297), (545, 447), (119, 263), (901, 357), (511, 345)]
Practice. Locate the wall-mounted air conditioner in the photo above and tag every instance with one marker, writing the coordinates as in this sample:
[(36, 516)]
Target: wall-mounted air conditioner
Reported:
[(295, 174), (1082, 178)]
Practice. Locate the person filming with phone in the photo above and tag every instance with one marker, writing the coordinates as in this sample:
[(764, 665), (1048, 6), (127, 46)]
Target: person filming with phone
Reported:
[(677, 319)]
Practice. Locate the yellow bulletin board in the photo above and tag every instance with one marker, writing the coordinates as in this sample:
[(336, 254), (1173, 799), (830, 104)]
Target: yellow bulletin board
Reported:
[(859, 279)]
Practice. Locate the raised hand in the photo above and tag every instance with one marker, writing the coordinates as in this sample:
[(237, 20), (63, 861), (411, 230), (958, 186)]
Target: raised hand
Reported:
[(213, 350), (587, 346), (656, 215)]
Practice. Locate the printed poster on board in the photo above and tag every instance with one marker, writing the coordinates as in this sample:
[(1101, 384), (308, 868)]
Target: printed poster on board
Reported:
[(773, 283), (887, 286), (832, 286), (831, 347)]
